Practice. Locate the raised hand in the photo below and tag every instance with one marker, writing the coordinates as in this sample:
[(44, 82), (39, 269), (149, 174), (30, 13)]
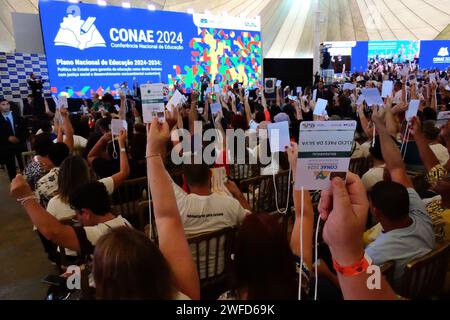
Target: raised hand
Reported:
[(63, 112), (399, 108), (107, 137), (157, 137), (194, 96), (344, 209), (415, 127), (172, 117), (292, 153), (20, 188)]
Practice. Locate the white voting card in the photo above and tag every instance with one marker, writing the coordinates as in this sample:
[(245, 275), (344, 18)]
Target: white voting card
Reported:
[(117, 125), (279, 137), (325, 148), (152, 102), (320, 108)]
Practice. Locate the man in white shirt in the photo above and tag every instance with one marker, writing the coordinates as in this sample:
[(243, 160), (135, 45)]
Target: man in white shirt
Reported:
[(92, 205), (205, 211)]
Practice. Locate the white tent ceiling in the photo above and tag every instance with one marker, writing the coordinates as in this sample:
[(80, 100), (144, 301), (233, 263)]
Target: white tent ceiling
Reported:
[(287, 25)]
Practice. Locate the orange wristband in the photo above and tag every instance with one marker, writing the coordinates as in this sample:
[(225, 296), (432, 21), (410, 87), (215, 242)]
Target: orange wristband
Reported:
[(355, 269)]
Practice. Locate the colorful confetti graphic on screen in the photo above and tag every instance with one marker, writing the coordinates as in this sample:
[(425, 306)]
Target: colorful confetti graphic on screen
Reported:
[(225, 55)]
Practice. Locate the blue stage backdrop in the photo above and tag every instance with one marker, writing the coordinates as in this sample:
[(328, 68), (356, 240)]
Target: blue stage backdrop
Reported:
[(91, 48), (435, 54), (359, 58), (432, 54)]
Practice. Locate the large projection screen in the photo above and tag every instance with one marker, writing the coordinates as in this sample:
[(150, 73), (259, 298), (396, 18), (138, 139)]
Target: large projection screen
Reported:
[(91, 48)]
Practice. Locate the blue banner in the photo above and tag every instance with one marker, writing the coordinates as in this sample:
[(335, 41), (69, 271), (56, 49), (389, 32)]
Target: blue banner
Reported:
[(91, 48), (359, 57), (435, 54)]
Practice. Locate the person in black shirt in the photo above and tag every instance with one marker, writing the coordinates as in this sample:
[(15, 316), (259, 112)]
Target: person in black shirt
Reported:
[(339, 65), (36, 85), (204, 80)]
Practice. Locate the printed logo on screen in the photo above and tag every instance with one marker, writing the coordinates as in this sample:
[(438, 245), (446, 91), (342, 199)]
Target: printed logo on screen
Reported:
[(443, 52), (77, 33), (442, 56)]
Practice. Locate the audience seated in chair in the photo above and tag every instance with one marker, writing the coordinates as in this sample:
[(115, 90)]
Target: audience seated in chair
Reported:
[(407, 228)]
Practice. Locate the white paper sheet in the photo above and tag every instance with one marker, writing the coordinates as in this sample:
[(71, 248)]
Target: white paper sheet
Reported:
[(320, 108), (412, 110), (117, 125), (279, 136), (386, 91), (372, 97)]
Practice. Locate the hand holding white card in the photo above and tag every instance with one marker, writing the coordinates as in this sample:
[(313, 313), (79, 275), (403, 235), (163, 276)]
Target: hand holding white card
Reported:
[(117, 125), (320, 108), (253, 125), (299, 90), (279, 137), (314, 97), (372, 97), (278, 83), (325, 148), (388, 86), (361, 100), (432, 77), (412, 110), (152, 102), (215, 108), (62, 102), (216, 88), (404, 72), (176, 99), (349, 86)]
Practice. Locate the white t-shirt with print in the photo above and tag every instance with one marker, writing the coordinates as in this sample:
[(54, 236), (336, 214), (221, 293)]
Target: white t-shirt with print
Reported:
[(61, 210), (201, 214)]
